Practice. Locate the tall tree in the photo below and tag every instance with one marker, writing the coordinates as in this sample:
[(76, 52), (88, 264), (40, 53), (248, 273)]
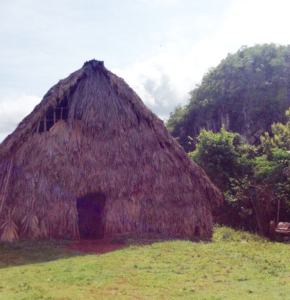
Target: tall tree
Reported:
[(247, 92)]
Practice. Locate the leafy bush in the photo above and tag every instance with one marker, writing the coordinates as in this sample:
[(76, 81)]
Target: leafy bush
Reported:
[(229, 162), (255, 181)]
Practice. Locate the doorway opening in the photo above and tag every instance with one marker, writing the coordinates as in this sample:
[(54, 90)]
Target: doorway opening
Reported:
[(91, 216)]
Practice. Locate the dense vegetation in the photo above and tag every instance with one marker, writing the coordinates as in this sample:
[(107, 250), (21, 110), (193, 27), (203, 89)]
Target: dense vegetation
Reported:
[(235, 265), (255, 180), (234, 123), (247, 92)]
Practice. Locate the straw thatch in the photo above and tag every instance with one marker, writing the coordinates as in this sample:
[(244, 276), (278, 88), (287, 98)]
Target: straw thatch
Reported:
[(92, 135)]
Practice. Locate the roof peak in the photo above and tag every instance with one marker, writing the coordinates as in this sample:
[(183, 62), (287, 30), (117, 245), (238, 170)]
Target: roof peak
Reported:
[(92, 65)]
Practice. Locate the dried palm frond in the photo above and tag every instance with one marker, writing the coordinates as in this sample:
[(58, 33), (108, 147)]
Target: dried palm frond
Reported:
[(9, 233), (30, 225), (44, 229)]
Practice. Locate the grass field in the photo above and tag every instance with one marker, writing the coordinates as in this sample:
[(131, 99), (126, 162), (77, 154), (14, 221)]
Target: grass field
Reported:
[(235, 265)]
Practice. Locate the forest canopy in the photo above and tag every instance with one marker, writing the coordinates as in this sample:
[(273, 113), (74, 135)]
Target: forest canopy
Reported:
[(247, 92)]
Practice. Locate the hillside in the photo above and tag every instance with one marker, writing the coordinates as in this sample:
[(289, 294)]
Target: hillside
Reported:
[(247, 92), (235, 265)]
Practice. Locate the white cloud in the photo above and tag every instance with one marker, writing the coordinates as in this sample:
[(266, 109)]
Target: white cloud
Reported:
[(165, 80), (13, 109), (185, 44), (256, 21), (159, 81)]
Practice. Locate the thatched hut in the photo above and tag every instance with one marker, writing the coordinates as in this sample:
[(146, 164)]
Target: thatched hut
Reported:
[(92, 161)]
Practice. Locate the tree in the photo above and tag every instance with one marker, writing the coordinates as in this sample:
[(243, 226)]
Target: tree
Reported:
[(229, 162), (255, 181), (273, 167), (247, 91)]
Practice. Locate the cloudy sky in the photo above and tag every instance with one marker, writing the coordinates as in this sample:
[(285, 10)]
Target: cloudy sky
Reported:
[(161, 48)]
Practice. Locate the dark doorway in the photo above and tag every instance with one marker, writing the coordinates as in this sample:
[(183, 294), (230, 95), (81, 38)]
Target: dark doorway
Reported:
[(196, 231), (91, 215)]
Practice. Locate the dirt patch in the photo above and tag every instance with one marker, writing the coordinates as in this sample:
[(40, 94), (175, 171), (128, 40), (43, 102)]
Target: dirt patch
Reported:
[(100, 246)]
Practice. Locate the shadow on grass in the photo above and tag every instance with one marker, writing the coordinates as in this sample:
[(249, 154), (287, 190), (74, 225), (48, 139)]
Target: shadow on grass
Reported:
[(34, 252)]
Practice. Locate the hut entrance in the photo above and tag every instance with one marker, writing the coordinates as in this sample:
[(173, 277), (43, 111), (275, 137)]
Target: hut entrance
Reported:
[(90, 212)]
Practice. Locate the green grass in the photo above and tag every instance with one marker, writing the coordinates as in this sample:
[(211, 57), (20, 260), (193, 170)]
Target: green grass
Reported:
[(235, 265)]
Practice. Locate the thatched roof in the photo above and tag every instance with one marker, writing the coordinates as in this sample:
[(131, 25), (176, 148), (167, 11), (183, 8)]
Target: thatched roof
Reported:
[(91, 133)]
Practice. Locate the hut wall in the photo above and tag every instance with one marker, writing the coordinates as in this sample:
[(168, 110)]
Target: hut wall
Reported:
[(145, 190)]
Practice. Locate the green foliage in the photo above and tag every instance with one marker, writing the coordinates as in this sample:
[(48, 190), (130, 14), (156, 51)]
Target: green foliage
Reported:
[(248, 91), (253, 180), (175, 117), (280, 138), (229, 162), (273, 167), (216, 154)]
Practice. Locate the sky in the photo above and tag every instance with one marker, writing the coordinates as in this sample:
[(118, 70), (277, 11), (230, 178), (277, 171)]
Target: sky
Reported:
[(162, 48)]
